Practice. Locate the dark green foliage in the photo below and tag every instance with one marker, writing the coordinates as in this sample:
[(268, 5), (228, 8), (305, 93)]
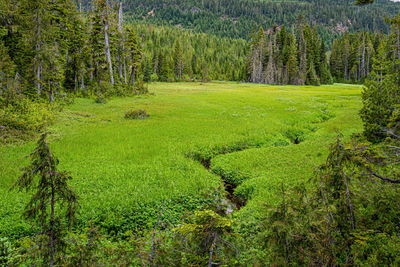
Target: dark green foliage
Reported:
[(353, 55), (237, 18), (364, 2), (5, 252), (346, 218), (136, 114), (205, 235), (50, 190), (381, 95), (276, 57), (174, 54)]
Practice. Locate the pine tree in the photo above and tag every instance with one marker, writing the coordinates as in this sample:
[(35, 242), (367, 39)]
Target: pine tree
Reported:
[(381, 95), (51, 191), (324, 73), (303, 58), (121, 48), (98, 63), (292, 64), (380, 61), (77, 51), (178, 60), (7, 71), (134, 54)]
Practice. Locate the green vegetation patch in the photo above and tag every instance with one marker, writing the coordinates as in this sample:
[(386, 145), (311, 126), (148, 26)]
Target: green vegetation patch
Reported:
[(136, 114), (124, 170)]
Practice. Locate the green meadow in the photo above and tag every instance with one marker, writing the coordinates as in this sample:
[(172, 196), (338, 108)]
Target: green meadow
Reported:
[(257, 137)]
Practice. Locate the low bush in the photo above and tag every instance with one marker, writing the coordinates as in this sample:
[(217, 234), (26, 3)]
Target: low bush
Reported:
[(141, 88), (22, 118), (5, 252), (136, 114), (100, 99)]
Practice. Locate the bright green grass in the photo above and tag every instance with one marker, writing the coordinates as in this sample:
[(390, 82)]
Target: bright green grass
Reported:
[(118, 163)]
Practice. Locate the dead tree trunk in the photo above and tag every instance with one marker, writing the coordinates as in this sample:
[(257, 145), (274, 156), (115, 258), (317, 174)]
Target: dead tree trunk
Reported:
[(213, 245), (121, 63), (38, 63), (107, 47)]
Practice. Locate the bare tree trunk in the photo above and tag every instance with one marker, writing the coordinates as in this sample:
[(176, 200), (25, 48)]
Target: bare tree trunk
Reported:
[(82, 83), (254, 66), (91, 69), (76, 83), (210, 263), (121, 51), (38, 64), (363, 58), (132, 78), (107, 47), (124, 64), (38, 75), (51, 93), (66, 59)]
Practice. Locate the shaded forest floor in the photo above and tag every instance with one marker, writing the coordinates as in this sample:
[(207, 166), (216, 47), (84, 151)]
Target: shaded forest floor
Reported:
[(257, 137)]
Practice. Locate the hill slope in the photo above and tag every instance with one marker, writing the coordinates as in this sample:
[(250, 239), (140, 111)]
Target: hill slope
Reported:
[(237, 18)]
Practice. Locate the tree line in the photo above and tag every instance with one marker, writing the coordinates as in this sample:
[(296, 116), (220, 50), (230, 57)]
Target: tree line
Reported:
[(237, 18), (175, 54), (352, 56), (280, 57), (51, 48)]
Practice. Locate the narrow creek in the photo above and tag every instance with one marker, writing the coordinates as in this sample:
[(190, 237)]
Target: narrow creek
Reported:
[(232, 202)]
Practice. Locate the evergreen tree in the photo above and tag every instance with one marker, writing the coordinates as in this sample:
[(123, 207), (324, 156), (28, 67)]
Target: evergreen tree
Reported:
[(292, 63), (178, 60), (380, 97), (134, 54), (51, 191)]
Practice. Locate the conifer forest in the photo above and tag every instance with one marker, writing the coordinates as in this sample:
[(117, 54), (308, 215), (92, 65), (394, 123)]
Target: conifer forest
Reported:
[(199, 133)]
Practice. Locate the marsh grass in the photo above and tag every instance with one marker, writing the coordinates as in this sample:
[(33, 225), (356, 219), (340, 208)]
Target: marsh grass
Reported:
[(124, 169)]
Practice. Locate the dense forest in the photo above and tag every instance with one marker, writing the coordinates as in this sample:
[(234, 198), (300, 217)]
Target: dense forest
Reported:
[(278, 57), (238, 18), (54, 52), (173, 54)]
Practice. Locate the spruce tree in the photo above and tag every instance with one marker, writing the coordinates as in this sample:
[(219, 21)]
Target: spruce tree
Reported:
[(51, 193), (178, 60), (134, 52), (292, 64)]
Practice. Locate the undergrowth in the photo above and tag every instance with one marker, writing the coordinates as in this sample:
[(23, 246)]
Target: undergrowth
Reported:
[(21, 119)]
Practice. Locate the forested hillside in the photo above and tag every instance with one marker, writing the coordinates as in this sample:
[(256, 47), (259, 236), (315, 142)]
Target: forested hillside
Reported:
[(281, 57), (172, 54), (239, 17)]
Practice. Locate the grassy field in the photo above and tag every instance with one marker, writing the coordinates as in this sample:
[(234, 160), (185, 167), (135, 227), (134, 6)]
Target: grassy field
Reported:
[(124, 170)]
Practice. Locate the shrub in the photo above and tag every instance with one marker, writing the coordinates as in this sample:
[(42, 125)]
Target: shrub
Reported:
[(22, 118), (100, 99), (136, 114), (5, 252), (141, 88)]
